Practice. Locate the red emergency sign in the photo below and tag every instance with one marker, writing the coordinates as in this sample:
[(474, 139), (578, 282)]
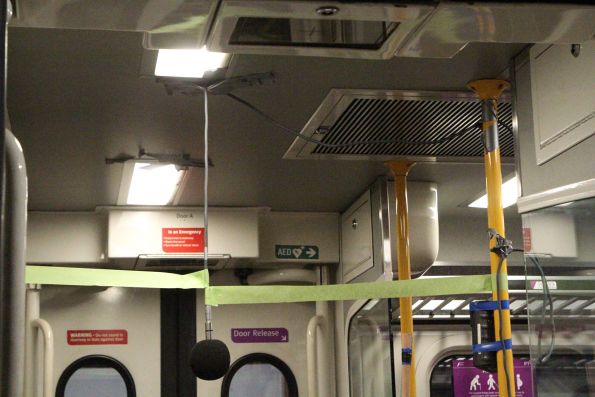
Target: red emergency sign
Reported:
[(183, 239)]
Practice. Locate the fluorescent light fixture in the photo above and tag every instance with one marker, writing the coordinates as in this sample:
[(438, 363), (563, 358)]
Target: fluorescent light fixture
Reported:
[(509, 195), (188, 63), (455, 303), (433, 304), (149, 183)]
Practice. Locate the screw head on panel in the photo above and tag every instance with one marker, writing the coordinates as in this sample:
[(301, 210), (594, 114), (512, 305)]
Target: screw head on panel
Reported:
[(327, 11)]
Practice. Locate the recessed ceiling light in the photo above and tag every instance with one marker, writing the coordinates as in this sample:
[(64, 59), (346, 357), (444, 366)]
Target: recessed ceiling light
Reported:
[(509, 195), (188, 63), (149, 183)]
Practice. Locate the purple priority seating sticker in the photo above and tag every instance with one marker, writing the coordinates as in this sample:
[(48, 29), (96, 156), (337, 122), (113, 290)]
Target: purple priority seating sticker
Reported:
[(259, 335), (473, 382)]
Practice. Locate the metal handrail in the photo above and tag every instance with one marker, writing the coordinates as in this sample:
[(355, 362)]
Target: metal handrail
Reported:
[(48, 355), (314, 324)]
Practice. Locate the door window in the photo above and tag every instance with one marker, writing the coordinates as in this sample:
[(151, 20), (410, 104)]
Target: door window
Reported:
[(259, 375), (96, 376)]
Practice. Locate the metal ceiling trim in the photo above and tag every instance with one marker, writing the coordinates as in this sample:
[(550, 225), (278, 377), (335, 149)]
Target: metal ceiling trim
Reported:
[(230, 11), (560, 195), (338, 101)]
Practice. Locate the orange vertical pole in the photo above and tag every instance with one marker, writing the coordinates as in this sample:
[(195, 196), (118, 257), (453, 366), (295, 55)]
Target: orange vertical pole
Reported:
[(400, 169), (489, 91)]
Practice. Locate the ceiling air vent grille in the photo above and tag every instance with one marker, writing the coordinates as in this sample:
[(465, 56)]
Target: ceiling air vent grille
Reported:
[(364, 115)]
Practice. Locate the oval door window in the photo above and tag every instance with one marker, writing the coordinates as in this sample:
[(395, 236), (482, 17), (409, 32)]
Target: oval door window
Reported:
[(96, 376), (259, 375)]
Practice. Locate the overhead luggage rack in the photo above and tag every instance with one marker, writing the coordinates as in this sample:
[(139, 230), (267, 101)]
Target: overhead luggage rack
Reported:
[(573, 298)]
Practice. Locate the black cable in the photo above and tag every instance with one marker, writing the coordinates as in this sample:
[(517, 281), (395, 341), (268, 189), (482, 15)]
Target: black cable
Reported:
[(502, 124), (306, 138), (208, 310), (506, 127), (546, 295), (502, 249), (505, 360)]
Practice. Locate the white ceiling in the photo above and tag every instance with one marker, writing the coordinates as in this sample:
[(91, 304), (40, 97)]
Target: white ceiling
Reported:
[(75, 98)]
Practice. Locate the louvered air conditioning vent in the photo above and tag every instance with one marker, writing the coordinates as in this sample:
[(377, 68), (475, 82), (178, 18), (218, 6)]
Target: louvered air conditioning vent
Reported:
[(371, 115)]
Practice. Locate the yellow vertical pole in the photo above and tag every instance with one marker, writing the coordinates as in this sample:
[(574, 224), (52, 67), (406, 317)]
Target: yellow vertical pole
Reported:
[(489, 91), (400, 169)]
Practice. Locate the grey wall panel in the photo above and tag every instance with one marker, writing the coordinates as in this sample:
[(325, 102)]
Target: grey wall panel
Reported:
[(464, 239), (574, 165)]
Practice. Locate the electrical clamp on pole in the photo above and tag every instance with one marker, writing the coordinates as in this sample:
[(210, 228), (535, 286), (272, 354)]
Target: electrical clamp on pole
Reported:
[(400, 169), (489, 91)]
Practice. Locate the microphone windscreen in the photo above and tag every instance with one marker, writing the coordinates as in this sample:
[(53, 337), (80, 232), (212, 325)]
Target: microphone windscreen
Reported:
[(209, 359)]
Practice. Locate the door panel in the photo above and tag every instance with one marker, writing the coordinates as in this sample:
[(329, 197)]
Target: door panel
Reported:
[(293, 317), (123, 323)]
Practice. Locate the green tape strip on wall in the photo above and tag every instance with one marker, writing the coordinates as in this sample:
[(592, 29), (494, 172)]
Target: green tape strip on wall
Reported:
[(228, 295), (114, 278), (234, 295)]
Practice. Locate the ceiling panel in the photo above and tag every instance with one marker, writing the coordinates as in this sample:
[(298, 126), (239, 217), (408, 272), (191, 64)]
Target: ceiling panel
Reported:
[(75, 98)]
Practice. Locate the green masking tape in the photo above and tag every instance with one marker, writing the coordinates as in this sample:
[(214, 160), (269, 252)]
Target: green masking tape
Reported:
[(234, 295), (229, 295), (114, 278)]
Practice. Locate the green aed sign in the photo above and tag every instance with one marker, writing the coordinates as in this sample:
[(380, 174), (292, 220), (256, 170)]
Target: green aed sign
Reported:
[(308, 252)]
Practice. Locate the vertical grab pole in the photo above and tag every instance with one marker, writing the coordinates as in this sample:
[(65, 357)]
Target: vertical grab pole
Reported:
[(5, 359), (12, 288), (400, 169), (489, 91)]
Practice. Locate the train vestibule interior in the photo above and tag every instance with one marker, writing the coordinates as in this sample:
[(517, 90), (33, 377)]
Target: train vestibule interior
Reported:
[(279, 198)]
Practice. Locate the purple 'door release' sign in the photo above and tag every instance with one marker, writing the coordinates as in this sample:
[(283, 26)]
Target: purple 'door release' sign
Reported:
[(473, 382), (259, 335)]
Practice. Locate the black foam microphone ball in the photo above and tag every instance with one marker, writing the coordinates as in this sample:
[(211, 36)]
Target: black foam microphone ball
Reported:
[(209, 359)]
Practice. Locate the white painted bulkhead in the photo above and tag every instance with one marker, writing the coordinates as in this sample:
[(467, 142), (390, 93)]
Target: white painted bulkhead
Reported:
[(135, 310)]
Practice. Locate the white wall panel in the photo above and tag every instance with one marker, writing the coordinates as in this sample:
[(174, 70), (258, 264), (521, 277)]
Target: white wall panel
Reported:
[(84, 308), (294, 317)]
